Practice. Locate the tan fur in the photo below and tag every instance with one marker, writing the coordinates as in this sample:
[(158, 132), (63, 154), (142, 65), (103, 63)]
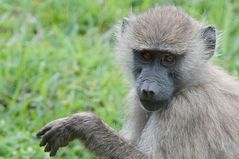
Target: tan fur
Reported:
[(160, 28)]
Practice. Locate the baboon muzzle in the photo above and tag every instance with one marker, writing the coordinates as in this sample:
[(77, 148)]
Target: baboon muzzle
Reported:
[(151, 97)]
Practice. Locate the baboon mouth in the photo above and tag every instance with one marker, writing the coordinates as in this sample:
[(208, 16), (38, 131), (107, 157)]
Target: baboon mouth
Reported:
[(154, 105)]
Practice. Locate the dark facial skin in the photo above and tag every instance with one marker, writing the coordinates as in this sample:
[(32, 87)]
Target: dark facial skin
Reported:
[(154, 74)]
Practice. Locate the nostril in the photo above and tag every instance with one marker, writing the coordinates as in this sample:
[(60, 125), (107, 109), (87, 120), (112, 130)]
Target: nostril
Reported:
[(145, 93), (151, 93)]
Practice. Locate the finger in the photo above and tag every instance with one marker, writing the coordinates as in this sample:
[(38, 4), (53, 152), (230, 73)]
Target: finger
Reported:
[(46, 128), (43, 142), (47, 148), (43, 130), (54, 151), (46, 137)]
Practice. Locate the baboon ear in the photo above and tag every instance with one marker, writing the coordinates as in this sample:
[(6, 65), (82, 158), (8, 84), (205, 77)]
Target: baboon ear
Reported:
[(124, 25), (209, 37)]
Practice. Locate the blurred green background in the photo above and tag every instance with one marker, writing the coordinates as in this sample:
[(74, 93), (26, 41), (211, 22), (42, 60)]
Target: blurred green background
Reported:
[(56, 58)]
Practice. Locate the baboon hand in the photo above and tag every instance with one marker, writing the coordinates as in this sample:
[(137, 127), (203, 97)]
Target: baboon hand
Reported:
[(56, 134), (60, 132)]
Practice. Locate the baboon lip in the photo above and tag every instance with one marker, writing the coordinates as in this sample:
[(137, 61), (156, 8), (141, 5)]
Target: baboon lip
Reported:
[(154, 105)]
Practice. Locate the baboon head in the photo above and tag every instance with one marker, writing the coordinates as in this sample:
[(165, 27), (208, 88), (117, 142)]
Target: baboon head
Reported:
[(164, 50)]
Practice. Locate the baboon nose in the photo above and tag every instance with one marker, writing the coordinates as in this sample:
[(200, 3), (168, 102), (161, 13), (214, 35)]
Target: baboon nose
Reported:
[(147, 93)]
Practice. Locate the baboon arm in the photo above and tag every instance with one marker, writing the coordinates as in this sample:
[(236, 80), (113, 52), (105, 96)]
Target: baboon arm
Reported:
[(96, 136)]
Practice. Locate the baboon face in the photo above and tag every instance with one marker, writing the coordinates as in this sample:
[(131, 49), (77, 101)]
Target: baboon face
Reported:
[(167, 48), (154, 74)]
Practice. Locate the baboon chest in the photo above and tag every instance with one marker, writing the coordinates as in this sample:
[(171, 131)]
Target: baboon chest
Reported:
[(148, 139), (160, 139)]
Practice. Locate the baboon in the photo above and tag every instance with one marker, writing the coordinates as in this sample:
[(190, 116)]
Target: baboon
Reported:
[(181, 105)]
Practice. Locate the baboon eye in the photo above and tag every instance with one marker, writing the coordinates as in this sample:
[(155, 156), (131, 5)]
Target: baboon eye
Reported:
[(147, 56), (168, 60)]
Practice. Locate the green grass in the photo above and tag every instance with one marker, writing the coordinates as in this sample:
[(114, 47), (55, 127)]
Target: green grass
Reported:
[(56, 58)]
